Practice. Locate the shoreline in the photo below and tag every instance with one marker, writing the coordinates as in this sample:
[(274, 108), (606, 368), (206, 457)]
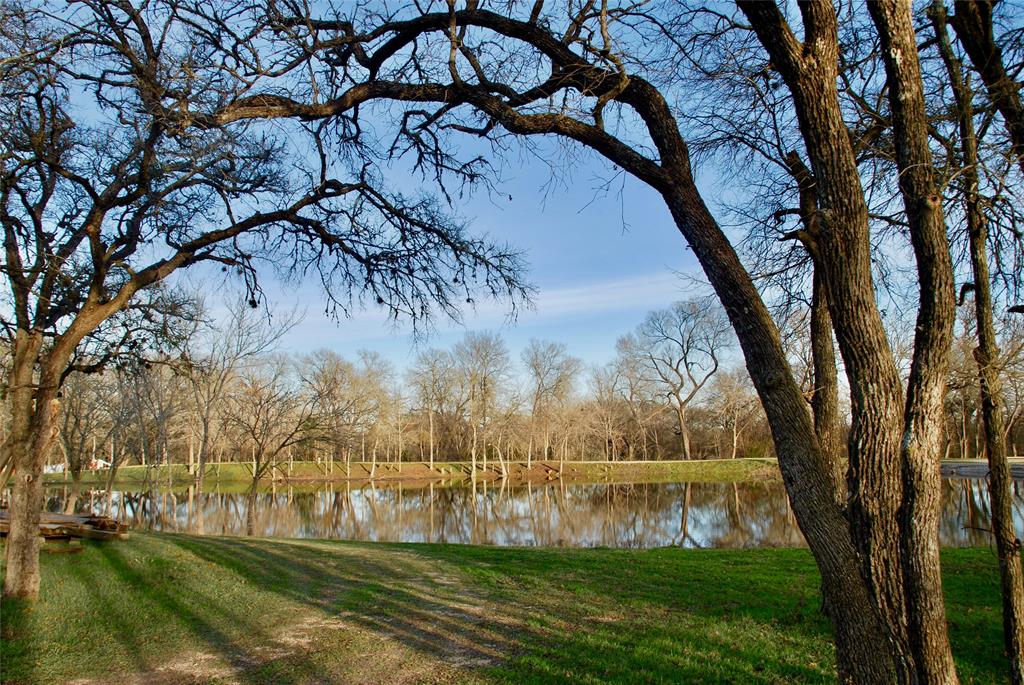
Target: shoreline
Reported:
[(539, 471), (422, 474)]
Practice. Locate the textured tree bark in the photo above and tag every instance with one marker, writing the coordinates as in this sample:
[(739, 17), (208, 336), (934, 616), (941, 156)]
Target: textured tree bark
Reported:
[(1011, 573), (34, 414), (36, 376), (973, 25), (841, 239), (864, 650), (825, 394), (1008, 545), (875, 387), (926, 388), (825, 400)]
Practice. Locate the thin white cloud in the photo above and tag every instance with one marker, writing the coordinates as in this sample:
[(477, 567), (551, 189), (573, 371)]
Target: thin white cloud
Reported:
[(639, 293), (635, 293)]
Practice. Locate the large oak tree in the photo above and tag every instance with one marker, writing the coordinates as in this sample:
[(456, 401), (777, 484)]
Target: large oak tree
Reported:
[(606, 77), (124, 158), (592, 73)]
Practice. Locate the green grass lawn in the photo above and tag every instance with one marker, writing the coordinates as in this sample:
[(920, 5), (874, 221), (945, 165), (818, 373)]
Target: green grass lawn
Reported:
[(162, 608), (240, 474)]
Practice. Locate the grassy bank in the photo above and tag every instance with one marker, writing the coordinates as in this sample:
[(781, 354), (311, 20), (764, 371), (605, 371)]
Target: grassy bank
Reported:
[(710, 470), (165, 608)]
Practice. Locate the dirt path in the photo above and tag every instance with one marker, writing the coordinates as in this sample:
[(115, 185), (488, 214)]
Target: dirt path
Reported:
[(293, 656), (431, 635)]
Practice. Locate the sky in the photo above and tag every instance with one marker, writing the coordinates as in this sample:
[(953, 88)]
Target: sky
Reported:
[(600, 260), (601, 249)]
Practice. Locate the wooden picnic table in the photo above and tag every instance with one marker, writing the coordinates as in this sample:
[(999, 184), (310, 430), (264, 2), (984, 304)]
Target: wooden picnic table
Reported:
[(67, 526)]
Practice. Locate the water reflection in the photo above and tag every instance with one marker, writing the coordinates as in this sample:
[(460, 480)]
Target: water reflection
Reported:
[(553, 514)]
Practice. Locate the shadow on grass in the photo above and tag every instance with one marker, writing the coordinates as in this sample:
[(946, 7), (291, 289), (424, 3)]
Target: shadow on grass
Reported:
[(88, 622), (777, 588), (517, 622), (184, 612), (384, 598), (373, 612), (16, 633)]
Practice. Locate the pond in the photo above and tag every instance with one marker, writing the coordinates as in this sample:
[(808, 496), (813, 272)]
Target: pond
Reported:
[(638, 515)]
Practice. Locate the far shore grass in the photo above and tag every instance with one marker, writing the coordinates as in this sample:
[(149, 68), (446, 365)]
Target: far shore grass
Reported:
[(706, 470), (163, 608)]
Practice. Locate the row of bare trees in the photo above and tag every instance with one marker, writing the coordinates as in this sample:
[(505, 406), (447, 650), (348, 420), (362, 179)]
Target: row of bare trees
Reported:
[(965, 426), (225, 395), (891, 135), (670, 392)]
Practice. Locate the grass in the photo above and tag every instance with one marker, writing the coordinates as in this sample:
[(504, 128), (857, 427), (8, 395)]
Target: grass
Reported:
[(164, 608), (708, 470)]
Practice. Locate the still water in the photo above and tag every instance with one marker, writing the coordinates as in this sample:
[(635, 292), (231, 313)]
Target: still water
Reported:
[(553, 514)]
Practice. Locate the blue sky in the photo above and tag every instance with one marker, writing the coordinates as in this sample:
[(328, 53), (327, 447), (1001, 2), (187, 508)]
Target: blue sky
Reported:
[(600, 261)]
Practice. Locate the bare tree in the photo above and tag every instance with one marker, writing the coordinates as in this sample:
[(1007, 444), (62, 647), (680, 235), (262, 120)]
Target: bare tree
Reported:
[(158, 404), (484, 363), (120, 413), (735, 405), (350, 398), (210, 359), (551, 372), (1011, 372), (268, 413), (1000, 481), (605, 411), (130, 153), (975, 28), (86, 425), (438, 392), (682, 346), (639, 391)]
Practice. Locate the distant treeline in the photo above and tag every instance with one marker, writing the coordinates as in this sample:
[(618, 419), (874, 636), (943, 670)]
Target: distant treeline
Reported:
[(225, 395)]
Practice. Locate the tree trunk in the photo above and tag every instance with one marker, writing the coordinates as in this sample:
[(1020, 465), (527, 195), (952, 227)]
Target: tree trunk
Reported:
[(864, 650), (34, 413), (926, 390), (973, 25), (825, 392), (1011, 573), (684, 434), (203, 456), (250, 510), (825, 397), (472, 451), (431, 413), (76, 487)]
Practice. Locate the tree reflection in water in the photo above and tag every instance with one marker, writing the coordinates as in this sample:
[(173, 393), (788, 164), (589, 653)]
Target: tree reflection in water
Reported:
[(553, 514)]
